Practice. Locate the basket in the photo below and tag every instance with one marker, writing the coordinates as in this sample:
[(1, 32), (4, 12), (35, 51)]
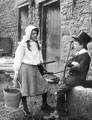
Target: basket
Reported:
[(12, 97)]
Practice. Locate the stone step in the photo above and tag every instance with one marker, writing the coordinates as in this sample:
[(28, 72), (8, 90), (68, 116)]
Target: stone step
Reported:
[(4, 60), (6, 69), (6, 65)]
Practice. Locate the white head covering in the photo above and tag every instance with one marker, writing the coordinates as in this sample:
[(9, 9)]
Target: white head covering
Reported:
[(28, 31)]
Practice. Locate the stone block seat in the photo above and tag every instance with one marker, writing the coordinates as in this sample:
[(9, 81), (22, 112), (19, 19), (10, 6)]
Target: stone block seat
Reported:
[(79, 102)]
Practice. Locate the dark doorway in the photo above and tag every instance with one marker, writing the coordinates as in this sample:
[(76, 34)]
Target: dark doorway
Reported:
[(51, 35), (22, 21)]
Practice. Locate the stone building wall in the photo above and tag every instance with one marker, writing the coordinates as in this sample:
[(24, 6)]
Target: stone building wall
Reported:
[(75, 15), (34, 16), (8, 20)]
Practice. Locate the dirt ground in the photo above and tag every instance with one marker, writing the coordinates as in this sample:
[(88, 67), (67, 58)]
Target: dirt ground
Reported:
[(34, 104)]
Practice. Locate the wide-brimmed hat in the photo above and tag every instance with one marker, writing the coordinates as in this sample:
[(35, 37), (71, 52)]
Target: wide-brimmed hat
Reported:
[(83, 37)]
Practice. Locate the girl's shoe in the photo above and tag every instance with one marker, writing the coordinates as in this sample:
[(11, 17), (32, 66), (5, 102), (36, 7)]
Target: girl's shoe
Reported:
[(27, 114), (53, 116)]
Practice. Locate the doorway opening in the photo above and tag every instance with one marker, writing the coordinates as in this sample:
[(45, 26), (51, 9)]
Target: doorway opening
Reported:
[(50, 34)]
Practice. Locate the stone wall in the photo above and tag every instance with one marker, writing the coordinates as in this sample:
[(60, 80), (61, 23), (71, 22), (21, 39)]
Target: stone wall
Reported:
[(34, 15), (8, 20), (75, 15)]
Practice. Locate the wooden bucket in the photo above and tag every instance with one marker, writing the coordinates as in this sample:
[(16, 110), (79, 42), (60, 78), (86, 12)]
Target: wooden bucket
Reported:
[(12, 97)]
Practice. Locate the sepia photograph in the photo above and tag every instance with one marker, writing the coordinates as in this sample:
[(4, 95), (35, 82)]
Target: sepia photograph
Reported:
[(45, 60)]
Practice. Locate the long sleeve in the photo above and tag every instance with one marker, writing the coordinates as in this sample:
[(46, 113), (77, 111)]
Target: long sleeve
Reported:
[(41, 57), (18, 58)]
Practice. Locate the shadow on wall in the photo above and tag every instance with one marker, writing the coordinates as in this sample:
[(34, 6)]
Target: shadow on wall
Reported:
[(5, 46)]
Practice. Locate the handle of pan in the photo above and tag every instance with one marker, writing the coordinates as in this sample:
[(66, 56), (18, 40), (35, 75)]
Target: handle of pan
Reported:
[(49, 62)]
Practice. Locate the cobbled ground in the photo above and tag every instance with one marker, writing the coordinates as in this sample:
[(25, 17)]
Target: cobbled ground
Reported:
[(34, 104)]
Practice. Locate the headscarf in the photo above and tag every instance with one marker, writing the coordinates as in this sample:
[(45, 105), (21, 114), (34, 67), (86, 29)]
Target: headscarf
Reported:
[(28, 31)]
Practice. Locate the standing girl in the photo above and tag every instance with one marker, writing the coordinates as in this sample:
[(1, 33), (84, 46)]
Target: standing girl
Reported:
[(27, 56)]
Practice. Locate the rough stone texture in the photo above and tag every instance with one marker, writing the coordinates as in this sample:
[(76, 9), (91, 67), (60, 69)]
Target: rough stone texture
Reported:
[(75, 16), (8, 19), (34, 105), (79, 103)]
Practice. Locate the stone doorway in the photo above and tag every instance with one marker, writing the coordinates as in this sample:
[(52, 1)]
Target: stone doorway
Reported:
[(51, 34)]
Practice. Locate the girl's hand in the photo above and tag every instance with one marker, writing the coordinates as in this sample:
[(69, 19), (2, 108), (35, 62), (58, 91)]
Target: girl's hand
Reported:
[(14, 83), (15, 75), (15, 79)]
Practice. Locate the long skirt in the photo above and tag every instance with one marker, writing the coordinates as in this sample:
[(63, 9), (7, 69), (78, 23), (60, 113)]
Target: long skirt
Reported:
[(32, 83)]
